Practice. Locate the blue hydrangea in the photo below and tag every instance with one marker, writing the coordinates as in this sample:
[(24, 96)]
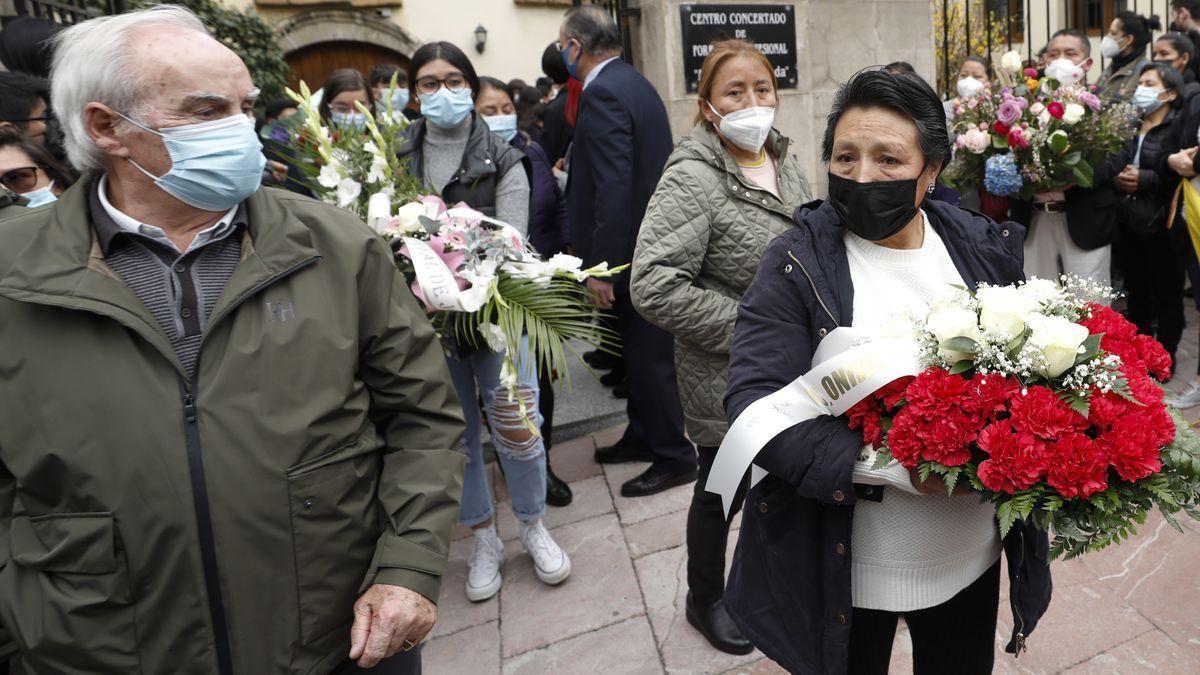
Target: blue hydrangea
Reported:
[(1001, 176)]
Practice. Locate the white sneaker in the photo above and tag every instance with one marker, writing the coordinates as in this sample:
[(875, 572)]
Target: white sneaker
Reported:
[(483, 567), (1188, 398), (549, 560)]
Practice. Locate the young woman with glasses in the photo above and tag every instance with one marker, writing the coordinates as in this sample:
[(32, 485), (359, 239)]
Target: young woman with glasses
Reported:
[(29, 171)]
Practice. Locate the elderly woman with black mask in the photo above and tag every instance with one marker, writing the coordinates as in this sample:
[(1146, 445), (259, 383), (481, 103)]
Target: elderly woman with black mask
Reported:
[(833, 552)]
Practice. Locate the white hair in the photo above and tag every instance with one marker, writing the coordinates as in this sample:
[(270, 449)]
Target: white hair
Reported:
[(92, 63)]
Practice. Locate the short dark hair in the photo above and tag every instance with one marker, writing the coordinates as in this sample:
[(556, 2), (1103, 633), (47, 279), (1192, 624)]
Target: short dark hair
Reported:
[(904, 93), (340, 81), (380, 75), (1179, 42), (594, 28), (1139, 27), (1078, 35), (62, 176), (19, 96), (543, 85), (986, 63), (1192, 6), (900, 68), (1172, 80), (486, 82), (275, 108), (553, 66), (448, 52), (26, 45)]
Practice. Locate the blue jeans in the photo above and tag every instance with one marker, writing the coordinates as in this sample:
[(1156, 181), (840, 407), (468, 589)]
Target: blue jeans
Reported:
[(522, 455)]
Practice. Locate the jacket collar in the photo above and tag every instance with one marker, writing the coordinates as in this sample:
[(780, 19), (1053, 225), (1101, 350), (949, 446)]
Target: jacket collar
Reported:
[(61, 262), (705, 145), (479, 158)]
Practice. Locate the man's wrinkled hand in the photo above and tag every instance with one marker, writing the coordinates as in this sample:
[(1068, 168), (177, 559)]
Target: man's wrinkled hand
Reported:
[(385, 617), (1181, 162), (600, 293)]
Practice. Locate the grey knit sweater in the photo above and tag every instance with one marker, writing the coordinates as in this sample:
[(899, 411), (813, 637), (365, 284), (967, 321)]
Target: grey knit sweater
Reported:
[(442, 155)]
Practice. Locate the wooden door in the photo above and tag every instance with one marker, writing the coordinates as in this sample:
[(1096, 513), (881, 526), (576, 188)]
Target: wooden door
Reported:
[(315, 62)]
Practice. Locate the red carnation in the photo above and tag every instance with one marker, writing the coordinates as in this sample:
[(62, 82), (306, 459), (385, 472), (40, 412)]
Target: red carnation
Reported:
[(1014, 464), (1077, 466), (1133, 448), (1000, 128), (945, 437), (1017, 140), (1106, 321), (1041, 413), (865, 415), (990, 395), (893, 393), (1153, 357), (1055, 109)]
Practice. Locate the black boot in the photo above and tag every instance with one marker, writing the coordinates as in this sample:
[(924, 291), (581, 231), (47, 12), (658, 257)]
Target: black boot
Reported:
[(714, 624)]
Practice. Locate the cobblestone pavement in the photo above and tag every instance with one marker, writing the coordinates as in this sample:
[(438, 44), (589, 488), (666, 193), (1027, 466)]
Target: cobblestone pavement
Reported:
[(1134, 608)]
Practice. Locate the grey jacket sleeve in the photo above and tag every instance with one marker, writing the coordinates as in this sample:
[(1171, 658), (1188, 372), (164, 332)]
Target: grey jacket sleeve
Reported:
[(512, 199), (670, 252)]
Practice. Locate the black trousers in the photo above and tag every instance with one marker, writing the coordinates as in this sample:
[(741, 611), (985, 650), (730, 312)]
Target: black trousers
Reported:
[(707, 533), (401, 663), (655, 413), (546, 408), (1154, 274), (957, 636)]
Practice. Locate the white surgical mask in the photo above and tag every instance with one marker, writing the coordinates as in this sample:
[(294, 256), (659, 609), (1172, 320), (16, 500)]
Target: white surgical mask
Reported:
[(40, 197), (1066, 71), (1109, 47), (969, 87), (747, 128)]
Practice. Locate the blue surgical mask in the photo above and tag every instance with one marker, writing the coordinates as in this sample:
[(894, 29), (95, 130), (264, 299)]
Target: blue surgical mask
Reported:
[(40, 197), (214, 165), (445, 108), (399, 99), (504, 126), (1146, 99), (351, 121), (571, 66)]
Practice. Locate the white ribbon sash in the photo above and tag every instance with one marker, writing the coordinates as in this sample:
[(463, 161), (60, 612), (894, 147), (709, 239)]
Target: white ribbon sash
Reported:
[(848, 367), (438, 283)]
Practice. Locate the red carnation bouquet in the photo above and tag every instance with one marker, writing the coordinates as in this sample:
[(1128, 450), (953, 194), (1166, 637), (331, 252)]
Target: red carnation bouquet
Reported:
[(1046, 403)]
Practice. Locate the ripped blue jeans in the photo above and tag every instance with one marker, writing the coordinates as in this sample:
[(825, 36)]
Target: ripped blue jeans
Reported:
[(522, 455)]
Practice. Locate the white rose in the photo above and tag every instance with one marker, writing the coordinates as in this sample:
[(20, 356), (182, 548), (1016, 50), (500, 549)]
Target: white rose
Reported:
[(1042, 291), (1072, 113), (1004, 309), (947, 320), (1036, 109), (408, 218), (1011, 62), (1058, 340)]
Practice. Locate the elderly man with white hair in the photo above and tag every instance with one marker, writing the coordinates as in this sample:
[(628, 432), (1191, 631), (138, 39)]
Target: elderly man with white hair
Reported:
[(227, 430)]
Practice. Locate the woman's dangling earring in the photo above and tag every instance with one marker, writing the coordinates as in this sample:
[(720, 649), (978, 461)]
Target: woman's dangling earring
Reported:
[(931, 188)]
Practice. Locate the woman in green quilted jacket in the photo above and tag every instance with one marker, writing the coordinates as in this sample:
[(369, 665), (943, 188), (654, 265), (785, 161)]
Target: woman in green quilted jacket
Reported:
[(728, 189)]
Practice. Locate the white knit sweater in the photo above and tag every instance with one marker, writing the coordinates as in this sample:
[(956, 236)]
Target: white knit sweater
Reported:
[(910, 551)]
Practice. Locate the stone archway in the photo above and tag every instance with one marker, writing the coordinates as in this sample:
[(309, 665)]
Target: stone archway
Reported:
[(317, 26)]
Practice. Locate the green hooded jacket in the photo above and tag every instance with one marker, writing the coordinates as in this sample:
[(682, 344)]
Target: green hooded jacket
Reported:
[(225, 520)]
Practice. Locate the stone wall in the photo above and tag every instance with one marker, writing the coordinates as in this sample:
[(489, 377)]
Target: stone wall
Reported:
[(834, 39)]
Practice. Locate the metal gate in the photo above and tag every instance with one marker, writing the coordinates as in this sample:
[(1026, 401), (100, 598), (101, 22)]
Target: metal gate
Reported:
[(67, 11)]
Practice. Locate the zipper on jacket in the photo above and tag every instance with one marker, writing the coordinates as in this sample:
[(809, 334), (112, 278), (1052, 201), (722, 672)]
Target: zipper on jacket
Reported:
[(1019, 628), (814, 287), (195, 456)]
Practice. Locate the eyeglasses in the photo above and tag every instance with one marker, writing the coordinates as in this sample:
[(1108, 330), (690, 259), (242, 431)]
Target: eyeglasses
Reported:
[(430, 84), (20, 180), (43, 118)]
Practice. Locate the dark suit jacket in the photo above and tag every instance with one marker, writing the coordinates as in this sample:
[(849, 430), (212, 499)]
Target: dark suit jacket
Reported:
[(1091, 212), (556, 133), (622, 140)]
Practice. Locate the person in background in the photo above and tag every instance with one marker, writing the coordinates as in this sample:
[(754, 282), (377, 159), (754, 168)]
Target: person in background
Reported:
[(974, 75), (1178, 51), (1125, 48), (1070, 231), (622, 140), (276, 136), (1183, 20), (380, 77), (514, 87), (344, 88), (303, 516), (1146, 251), (547, 234), (26, 45), (530, 112), (25, 104), (832, 551), (556, 133), (30, 171), (545, 87), (729, 188), (453, 151), (900, 68)]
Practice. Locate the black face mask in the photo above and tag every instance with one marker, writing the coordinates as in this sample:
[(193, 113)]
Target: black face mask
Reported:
[(875, 210)]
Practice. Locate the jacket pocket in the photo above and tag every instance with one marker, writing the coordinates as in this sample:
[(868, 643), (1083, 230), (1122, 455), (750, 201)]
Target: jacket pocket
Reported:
[(335, 527), (65, 594)]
